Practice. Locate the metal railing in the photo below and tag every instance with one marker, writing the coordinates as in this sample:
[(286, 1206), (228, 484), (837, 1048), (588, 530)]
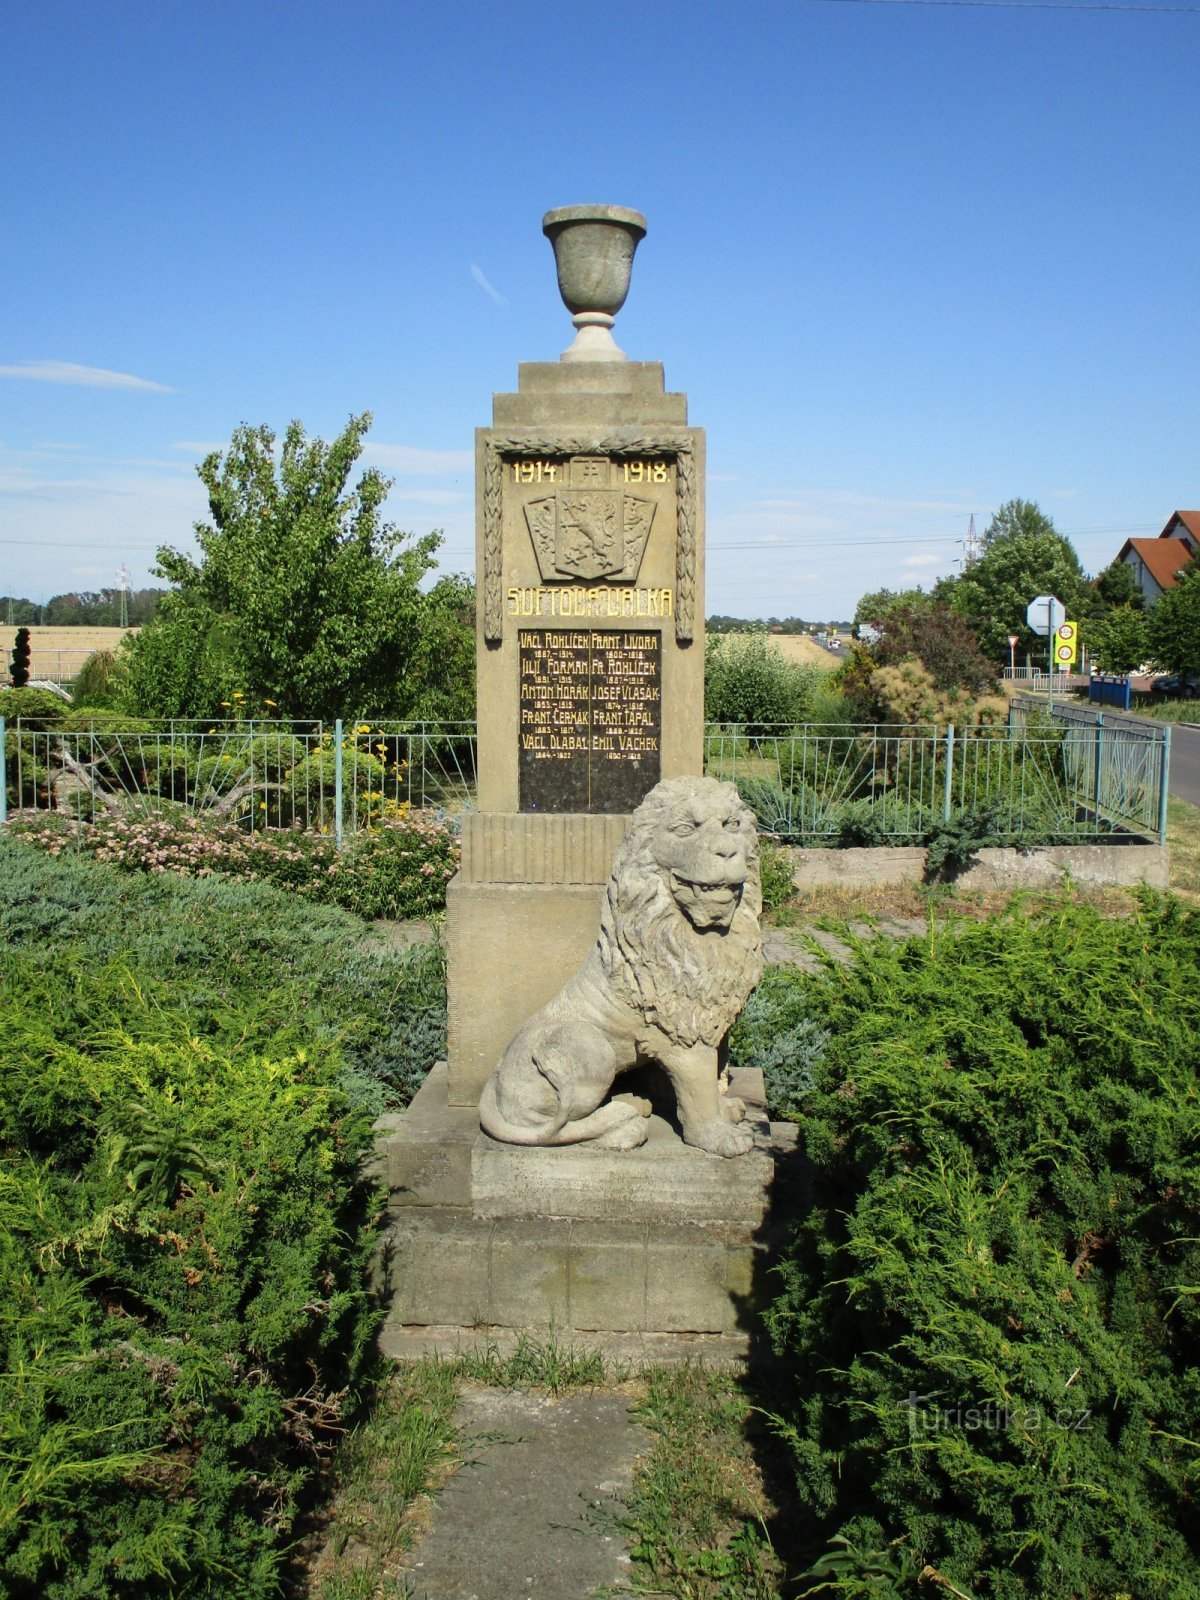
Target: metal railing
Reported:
[(337, 779), (1078, 778), (1068, 774), (1120, 765)]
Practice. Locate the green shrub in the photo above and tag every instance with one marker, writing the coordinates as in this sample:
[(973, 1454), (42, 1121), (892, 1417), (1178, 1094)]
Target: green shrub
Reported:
[(399, 869), (748, 682), (778, 873), (990, 1310), (18, 669), (100, 680), (285, 971), (184, 1231), (35, 709)]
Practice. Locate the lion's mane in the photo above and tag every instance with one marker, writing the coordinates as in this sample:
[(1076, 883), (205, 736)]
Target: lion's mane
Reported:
[(690, 984)]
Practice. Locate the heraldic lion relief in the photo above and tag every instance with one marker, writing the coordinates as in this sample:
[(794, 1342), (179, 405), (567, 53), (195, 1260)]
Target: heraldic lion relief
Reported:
[(678, 954)]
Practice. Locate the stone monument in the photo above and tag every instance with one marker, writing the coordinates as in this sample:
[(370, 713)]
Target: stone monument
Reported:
[(604, 916)]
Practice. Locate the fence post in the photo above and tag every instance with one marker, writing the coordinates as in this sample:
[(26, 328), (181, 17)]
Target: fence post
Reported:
[(337, 782), (1098, 762), (949, 772), (3, 776), (1166, 772), (253, 806)]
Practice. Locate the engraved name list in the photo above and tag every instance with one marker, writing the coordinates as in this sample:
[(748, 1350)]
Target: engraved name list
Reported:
[(590, 718)]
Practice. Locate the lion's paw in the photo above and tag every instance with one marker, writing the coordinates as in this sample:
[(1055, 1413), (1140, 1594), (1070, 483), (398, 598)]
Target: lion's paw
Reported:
[(721, 1138), (639, 1103), (625, 1136), (733, 1109)]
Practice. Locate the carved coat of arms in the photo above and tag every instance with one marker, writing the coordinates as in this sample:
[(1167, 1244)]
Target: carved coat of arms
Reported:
[(587, 530)]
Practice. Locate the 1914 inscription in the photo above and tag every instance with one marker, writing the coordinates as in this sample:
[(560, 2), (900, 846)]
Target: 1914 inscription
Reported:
[(590, 708)]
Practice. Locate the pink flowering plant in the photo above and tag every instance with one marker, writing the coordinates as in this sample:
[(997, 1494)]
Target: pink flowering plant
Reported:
[(397, 869)]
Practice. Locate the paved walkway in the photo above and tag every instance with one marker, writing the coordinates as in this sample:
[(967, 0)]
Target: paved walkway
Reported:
[(535, 1514)]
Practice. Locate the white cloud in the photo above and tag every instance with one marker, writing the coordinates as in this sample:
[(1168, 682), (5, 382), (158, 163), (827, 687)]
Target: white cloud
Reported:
[(478, 274), (71, 372), (410, 460), (922, 561)]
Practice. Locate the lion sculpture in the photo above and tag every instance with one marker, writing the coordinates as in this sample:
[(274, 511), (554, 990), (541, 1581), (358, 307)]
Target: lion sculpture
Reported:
[(678, 954)]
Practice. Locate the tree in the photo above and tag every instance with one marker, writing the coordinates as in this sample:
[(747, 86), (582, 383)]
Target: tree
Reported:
[(19, 666), (1119, 640), (302, 596), (748, 681), (945, 644), (1023, 556), (1117, 586), (1173, 625), (880, 603)]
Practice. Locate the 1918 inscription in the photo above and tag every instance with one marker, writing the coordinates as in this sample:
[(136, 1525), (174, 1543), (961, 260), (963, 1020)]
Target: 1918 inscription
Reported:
[(590, 708)]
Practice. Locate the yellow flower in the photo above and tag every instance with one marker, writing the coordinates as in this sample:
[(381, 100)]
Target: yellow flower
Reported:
[(225, 703), (262, 805), (267, 702)]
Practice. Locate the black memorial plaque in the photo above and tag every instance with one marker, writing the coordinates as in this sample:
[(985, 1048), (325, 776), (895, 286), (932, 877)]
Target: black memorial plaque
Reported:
[(590, 708)]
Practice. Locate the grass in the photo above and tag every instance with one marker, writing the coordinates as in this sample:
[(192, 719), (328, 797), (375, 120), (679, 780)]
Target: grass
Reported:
[(386, 1470), (700, 1517), (700, 1513), (1183, 840)]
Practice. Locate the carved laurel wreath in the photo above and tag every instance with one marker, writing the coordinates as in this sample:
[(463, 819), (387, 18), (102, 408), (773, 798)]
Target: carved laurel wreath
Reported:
[(500, 450)]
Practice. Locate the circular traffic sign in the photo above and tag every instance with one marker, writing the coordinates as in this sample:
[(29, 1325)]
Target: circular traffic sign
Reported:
[(1066, 632), (1064, 653)]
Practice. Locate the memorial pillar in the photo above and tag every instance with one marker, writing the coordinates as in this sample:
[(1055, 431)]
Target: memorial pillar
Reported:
[(589, 647)]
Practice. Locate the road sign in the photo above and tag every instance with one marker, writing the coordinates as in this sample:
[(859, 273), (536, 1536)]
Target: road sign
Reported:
[(1013, 640), (1066, 644), (1045, 614)]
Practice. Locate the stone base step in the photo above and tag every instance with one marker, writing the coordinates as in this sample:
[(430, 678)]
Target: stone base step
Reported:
[(582, 1276), (630, 1351)]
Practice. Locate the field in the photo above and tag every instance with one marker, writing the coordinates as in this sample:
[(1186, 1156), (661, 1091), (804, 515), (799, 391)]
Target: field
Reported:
[(58, 653), (799, 647)]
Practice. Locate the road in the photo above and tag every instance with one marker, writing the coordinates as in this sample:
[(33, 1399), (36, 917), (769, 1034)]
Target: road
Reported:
[(1183, 780)]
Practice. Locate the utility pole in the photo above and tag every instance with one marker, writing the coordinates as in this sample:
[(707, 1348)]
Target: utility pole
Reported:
[(970, 545), (123, 585)]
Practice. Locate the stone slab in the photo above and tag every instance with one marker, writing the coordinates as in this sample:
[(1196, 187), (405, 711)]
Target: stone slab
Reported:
[(510, 948), (425, 1152), (621, 1351), (437, 1266), (1120, 864), (448, 1268), (536, 1513), (664, 1181)]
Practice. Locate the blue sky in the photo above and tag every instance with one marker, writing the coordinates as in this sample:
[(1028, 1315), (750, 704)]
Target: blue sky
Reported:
[(907, 260)]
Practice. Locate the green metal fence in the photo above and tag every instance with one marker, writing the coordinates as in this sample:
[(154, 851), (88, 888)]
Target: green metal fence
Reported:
[(1074, 775), (1079, 778)]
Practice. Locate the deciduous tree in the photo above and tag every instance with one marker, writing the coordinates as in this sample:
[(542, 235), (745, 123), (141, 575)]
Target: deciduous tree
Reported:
[(302, 595), (1023, 556), (1119, 640), (1173, 625)]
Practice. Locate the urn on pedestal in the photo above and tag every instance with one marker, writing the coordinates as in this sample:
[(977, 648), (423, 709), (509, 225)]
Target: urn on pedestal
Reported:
[(593, 251)]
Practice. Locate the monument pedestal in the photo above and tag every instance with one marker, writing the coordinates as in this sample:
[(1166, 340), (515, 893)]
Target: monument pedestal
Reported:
[(652, 1253)]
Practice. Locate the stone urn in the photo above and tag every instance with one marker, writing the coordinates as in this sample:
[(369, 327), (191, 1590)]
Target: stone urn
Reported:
[(593, 251)]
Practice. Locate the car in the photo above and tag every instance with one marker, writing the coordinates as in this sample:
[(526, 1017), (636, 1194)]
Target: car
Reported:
[(1185, 685)]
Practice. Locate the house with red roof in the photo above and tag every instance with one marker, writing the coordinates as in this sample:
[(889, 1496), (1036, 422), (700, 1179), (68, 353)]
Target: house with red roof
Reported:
[(1157, 562)]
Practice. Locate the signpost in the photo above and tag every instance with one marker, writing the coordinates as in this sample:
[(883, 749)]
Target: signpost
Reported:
[(1045, 615), (1012, 653)]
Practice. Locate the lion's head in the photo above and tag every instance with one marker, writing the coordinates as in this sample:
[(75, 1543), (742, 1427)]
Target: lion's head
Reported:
[(679, 935)]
